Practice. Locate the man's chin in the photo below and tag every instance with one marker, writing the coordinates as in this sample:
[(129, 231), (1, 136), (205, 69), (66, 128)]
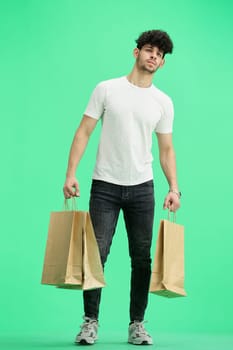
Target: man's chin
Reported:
[(150, 71)]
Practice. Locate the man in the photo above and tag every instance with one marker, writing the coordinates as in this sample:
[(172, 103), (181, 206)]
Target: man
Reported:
[(132, 109)]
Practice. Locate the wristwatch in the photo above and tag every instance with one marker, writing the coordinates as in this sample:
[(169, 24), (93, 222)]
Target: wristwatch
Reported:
[(176, 192)]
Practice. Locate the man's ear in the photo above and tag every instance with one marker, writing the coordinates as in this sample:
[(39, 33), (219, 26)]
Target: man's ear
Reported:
[(162, 63), (136, 52)]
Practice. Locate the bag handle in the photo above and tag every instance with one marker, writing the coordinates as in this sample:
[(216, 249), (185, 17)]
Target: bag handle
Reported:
[(73, 204), (169, 217)]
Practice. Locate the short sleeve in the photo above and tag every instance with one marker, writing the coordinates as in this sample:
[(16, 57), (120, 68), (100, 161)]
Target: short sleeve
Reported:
[(96, 104), (165, 124)]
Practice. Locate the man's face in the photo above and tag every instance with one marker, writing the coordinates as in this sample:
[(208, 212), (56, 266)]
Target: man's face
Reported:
[(149, 58)]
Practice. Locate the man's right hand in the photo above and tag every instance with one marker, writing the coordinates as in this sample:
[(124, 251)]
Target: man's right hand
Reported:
[(71, 188)]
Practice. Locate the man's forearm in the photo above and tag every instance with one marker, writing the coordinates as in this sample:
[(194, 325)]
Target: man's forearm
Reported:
[(168, 164), (77, 149)]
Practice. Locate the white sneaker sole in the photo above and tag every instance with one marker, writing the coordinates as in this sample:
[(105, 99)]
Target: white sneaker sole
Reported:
[(86, 341), (140, 342)]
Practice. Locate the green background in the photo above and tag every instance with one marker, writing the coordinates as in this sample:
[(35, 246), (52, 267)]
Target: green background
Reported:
[(53, 53)]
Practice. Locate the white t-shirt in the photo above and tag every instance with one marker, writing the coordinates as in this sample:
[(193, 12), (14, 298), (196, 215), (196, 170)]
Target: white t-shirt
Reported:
[(130, 115)]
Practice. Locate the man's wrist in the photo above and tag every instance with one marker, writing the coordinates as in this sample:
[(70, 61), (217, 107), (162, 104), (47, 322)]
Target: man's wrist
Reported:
[(68, 175), (177, 192)]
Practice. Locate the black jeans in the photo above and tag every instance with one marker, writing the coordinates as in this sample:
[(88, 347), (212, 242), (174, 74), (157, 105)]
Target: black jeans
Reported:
[(137, 203)]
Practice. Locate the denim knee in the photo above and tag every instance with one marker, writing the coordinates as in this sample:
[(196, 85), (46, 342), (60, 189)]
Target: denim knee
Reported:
[(141, 262)]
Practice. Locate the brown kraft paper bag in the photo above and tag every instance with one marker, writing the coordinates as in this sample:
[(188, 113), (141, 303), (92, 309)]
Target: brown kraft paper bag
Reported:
[(72, 257), (167, 278)]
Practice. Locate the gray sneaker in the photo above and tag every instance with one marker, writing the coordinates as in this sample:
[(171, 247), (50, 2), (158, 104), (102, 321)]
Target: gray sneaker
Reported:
[(88, 333), (138, 335)]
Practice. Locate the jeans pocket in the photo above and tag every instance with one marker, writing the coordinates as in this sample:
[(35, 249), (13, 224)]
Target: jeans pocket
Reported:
[(149, 183), (103, 188)]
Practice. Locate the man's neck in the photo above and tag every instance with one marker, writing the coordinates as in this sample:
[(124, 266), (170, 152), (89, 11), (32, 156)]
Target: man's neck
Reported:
[(140, 79)]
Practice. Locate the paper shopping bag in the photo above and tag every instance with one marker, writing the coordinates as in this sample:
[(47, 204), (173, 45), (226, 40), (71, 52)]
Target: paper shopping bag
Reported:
[(63, 256), (92, 268), (69, 238), (167, 278)]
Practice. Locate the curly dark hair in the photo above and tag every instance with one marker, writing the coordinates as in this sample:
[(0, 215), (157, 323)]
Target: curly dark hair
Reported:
[(156, 38)]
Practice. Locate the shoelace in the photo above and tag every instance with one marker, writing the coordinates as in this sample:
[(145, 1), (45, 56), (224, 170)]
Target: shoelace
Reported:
[(140, 327), (86, 326)]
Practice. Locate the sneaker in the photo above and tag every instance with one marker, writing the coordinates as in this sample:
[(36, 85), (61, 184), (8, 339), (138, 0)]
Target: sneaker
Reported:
[(88, 333), (138, 335)]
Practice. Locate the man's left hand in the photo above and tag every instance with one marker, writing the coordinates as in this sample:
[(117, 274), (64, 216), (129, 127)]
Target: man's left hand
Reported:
[(171, 202)]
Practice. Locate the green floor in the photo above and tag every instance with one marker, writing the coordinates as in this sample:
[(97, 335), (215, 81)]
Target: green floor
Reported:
[(118, 341)]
